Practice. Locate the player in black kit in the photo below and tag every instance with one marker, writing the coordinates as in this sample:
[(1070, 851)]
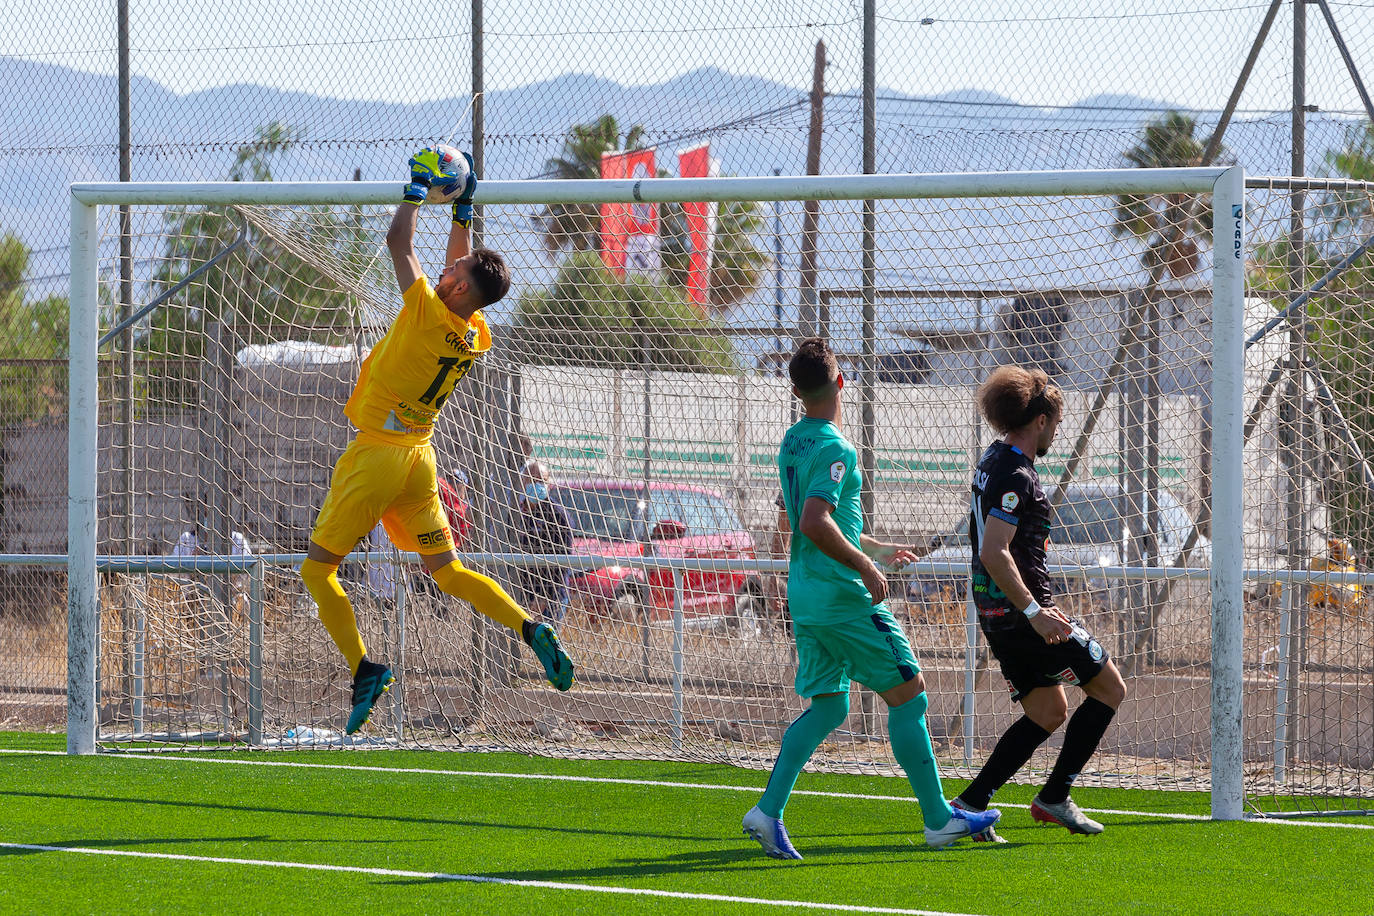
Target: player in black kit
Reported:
[(1037, 646)]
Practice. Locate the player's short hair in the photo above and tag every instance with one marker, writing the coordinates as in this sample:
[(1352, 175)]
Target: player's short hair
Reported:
[(1013, 397), (490, 275), (813, 369)]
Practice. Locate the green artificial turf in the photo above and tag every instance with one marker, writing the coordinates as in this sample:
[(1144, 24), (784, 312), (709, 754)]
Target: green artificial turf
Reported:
[(859, 852)]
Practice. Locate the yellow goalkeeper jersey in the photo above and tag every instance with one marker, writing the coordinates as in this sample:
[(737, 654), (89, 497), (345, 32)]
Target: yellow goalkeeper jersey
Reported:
[(409, 375)]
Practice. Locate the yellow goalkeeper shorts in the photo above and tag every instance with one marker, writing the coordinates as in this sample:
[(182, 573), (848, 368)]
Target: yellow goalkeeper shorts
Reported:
[(395, 483)]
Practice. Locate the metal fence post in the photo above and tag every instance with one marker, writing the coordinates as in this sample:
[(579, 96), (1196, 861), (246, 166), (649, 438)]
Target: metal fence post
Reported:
[(677, 660), (255, 612)]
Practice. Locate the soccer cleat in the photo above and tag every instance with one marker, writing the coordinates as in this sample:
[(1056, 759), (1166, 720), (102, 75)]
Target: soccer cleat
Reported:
[(983, 836), (558, 668), (1066, 814), (770, 833), (371, 681), (962, 824)]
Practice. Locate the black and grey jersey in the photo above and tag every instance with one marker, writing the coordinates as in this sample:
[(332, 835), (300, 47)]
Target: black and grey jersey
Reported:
[(1006, 487)]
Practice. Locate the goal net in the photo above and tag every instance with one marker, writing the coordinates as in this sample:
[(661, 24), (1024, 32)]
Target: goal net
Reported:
[(641, 358)]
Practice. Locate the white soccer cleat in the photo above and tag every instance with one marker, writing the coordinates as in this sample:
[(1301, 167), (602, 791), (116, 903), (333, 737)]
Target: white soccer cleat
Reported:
[(962, 824), (770, 833), (983, 836), (1066, 814)]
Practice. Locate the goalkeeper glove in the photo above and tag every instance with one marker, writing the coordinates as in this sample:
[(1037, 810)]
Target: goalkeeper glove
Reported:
[(426, 172), (462, 207)]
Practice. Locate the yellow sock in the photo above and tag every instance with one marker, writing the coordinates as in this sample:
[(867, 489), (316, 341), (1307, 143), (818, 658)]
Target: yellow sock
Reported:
[(336, 613), (482, 593)]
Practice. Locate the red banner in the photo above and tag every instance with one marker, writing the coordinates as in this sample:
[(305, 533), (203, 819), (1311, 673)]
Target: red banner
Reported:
[(629, 232), (696, 163)]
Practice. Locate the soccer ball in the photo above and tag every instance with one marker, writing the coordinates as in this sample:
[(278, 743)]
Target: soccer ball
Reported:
[(450, 169)]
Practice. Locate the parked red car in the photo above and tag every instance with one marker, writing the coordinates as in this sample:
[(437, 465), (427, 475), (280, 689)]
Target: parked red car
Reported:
[(613, 518)]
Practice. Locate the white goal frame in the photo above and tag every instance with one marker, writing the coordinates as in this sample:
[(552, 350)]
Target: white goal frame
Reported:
[(1226, 185)]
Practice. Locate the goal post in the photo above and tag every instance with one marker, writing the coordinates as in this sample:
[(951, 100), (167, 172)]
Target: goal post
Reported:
[(666, 687), (1228, 396)]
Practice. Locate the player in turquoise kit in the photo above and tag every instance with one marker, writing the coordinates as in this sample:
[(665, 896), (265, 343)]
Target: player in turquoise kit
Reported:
[(844, 631)]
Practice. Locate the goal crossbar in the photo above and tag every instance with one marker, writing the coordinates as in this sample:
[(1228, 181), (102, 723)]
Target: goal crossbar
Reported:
[(664, 190)]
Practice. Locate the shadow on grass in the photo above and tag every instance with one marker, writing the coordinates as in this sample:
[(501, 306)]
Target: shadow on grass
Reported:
[(352, 815), (732, 860), (121, 843)]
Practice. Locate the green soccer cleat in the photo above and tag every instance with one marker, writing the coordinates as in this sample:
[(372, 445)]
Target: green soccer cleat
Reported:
[(558, 668), (371, 681)]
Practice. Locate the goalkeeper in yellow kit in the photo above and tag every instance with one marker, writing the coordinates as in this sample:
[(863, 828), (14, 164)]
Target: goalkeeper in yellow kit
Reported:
[(388, 470)]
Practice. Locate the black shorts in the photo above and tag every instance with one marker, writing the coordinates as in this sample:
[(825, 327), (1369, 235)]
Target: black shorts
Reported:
[(1029, 662)]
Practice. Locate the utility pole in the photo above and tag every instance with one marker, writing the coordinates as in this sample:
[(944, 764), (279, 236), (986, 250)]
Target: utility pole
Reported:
[(811, 213)]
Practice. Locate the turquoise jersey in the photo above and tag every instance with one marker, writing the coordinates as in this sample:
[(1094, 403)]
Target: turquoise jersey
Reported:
[(815, 459)]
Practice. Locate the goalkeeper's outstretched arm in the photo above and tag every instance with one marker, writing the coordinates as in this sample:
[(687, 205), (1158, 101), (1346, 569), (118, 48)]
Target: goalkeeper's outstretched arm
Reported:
[(460, 231), (459, 241), (400, 241)]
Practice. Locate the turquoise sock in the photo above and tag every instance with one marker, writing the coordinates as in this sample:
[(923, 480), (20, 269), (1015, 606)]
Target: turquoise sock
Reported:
[(803, 736), (906, 727)]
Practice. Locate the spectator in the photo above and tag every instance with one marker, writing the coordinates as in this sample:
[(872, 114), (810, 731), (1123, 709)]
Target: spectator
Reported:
[(542, 527), (453, 494), (192, 585), (188, 544)]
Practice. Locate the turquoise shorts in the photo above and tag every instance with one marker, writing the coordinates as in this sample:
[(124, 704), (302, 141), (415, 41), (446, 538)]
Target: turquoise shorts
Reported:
[(871, 649)]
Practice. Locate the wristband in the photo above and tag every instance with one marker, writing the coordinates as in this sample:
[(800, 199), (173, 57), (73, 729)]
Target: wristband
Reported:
[(1032, 609)]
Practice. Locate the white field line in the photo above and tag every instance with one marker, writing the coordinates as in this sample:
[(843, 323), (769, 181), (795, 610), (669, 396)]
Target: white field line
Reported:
[(655, 783), (480, 879)]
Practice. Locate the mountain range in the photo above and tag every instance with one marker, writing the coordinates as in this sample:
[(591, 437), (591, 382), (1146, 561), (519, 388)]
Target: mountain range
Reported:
[(754, 126)]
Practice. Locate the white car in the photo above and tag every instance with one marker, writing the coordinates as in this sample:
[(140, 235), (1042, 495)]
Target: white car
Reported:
[(1088, 531)]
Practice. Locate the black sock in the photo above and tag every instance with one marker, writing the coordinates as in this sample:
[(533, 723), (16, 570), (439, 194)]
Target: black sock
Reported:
[(1081, 738), (1013, 749)]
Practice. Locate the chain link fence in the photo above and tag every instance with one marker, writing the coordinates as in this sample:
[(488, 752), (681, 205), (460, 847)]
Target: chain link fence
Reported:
[(309, 91)]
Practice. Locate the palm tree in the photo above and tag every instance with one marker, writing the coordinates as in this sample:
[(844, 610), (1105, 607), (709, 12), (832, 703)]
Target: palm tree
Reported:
[(737, 265), (1170, 225), (1173, 227), (578, 226)]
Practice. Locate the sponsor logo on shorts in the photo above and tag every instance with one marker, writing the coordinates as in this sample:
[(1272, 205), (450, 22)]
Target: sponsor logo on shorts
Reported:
[(437, 538), (837, 471), (1067, 677)]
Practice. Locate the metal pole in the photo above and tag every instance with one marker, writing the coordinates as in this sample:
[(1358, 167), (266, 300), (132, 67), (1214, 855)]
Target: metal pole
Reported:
[(137, 662), (479, 132), (1228, 397), (124, 374), (398, 702), (867, 396), (82, 589), (646, 599), (677, 660), (970, 673), (1214, 141), (811, 209), (777, 276), (1345, 56), (255, 575), (1295, 431)]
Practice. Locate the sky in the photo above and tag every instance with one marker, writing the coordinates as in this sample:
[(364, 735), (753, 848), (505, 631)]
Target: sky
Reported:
[(1036, 52)]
